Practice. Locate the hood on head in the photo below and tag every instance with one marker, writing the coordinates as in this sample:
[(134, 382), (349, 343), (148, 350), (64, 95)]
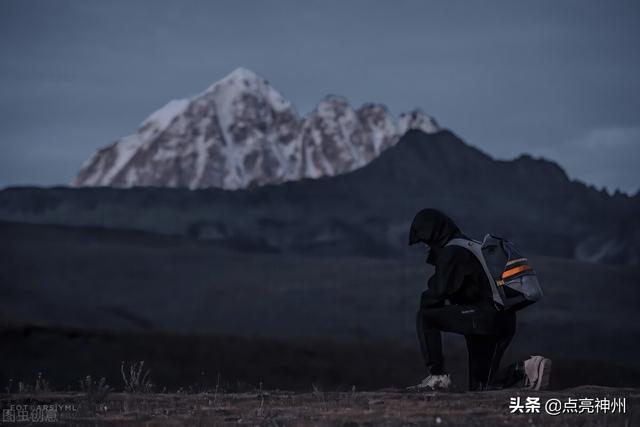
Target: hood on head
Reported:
[(432, 227)]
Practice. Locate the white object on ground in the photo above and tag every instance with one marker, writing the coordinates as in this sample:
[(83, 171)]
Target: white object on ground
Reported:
[(537, 370), (433, 382)]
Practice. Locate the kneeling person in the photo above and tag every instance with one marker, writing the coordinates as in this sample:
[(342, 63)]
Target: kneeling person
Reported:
[(460, 281)]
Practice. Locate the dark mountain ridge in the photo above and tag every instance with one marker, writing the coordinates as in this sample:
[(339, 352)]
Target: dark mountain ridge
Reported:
[(367, 211)]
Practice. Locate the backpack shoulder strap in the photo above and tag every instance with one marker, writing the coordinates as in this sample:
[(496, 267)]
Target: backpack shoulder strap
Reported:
[(476, 249)]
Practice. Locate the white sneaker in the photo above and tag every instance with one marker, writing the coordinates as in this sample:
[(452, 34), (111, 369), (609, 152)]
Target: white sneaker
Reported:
[(433, 382), (537, 370)]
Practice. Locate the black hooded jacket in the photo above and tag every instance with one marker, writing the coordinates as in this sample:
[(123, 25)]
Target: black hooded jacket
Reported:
[(458, 276)]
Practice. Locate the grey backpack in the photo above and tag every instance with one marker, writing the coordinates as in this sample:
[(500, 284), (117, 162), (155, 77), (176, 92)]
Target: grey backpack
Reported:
[(514, 284)]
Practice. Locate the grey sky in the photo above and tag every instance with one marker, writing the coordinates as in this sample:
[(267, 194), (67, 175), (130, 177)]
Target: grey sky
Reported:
[(555, 78)]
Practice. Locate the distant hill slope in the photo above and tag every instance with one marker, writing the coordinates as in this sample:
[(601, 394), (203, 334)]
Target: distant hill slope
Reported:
[(368, 211), (133, 282)]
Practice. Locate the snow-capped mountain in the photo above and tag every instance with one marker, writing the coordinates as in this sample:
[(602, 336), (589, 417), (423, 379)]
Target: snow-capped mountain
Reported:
[(240, 132)]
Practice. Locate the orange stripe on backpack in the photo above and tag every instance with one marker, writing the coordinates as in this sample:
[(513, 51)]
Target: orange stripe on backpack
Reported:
[(515, 270)]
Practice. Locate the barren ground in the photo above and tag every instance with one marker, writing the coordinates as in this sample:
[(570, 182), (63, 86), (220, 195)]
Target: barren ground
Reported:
[(280, 408)]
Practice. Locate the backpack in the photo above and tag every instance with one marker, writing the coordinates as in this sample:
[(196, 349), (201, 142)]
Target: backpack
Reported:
[(514, 284)]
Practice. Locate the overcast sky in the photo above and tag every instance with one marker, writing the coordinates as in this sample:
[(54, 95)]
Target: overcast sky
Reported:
[(560, 79)]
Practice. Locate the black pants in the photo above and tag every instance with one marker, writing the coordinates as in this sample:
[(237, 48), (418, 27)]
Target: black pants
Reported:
[(487, 332)]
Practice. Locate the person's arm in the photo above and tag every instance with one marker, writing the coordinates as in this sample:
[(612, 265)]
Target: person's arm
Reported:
[(446, 280)]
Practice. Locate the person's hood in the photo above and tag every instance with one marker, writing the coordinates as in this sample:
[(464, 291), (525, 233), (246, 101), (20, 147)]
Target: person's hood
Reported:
[(432, 227)]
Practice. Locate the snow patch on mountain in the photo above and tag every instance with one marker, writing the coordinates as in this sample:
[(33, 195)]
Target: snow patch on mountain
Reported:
[(159, 120), (417, 119)]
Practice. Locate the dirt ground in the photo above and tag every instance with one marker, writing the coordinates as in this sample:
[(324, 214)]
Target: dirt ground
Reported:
[(281, 408)]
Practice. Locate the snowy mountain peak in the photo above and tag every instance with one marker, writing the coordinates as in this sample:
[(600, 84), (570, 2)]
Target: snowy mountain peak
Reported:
[(417, 119), (239, 74), (245, 83), (240, 132), (238, 77)]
